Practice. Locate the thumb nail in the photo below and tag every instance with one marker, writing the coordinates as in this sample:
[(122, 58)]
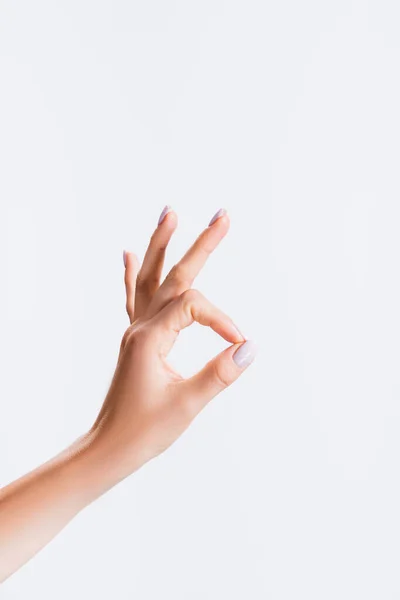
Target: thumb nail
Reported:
[(245, 354)]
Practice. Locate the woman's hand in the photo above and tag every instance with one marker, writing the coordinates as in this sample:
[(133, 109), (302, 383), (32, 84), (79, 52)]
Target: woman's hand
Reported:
[(149, 404)]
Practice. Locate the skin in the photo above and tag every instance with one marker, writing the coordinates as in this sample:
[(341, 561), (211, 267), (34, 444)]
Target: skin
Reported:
[(147, 407)]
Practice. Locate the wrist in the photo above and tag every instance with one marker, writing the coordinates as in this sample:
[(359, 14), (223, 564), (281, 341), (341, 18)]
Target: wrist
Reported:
[(97, 463)]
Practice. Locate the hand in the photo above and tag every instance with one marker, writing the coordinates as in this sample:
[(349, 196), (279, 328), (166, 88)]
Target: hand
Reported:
[(149, 404)]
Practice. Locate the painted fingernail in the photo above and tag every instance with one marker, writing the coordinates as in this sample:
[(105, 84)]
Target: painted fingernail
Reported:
[(220, 213), (164, 213), (124, 257), (245, 354)]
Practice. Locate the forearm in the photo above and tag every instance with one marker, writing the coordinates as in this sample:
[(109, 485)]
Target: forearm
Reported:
[(37, 506), (148, 406)]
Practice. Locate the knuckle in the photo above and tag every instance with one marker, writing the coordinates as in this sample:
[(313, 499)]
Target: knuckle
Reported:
[(153, 238), (125, 337), (131, 341), (146, 284), (190, 296), (177, 274), (157, 246), (133, 336), (204, 245), (220, 376)]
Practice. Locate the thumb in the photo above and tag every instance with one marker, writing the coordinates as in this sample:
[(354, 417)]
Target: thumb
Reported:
[(220, 372)]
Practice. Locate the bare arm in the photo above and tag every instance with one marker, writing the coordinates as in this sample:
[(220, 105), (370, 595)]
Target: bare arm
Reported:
[(148, 404)]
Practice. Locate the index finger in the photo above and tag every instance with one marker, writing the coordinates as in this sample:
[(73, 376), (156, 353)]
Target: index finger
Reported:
[(191, 306)]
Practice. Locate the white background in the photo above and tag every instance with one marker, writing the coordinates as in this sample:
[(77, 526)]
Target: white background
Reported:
[(287, 114)]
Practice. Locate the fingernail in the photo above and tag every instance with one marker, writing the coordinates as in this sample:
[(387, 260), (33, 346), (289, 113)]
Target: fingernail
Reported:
[(220, 213), (245, 354), (164, 213), (124, 257)]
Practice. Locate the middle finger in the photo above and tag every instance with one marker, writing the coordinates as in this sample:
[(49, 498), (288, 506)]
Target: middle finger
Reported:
[(148, 279)]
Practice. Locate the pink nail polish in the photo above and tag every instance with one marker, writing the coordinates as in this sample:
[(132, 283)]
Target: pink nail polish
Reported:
[(245, 354), (124, 257), (164, 213), (220, 213)]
